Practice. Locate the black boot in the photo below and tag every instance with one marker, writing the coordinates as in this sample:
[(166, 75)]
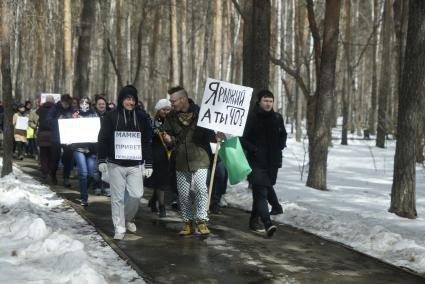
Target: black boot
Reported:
[(152, 205), (162, 212), (66, 182)]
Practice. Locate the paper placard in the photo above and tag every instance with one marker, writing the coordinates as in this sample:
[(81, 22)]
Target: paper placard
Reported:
[(56, 97), (79, 130), (224, 107), (22, 123), (128, 145)]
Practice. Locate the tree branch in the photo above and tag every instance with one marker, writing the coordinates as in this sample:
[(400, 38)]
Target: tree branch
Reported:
[(292, 73), (114, 64), (139, 51), (238, 8), (315, 34)]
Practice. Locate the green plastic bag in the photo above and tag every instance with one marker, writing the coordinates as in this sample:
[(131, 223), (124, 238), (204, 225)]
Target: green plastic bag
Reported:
[(234, 160)]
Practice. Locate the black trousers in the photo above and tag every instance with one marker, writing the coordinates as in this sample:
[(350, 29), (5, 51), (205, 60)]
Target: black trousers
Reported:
[(260, 206), (67, 160)]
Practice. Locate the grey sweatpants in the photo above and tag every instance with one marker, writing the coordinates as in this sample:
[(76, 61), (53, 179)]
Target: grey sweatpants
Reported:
[(126, 184), (196, 183)]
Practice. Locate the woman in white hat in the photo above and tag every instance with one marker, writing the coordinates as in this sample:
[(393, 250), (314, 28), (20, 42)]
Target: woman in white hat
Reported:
[(163, 165)]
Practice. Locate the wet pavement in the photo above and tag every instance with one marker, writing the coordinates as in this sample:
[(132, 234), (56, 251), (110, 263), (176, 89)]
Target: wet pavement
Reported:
[(232, 253)]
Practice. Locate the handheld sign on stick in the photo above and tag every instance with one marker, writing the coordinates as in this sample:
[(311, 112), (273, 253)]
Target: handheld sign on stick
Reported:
[(224, 109)]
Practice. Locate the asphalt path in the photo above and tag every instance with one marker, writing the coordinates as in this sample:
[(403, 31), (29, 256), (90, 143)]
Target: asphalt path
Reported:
[(231, 253)]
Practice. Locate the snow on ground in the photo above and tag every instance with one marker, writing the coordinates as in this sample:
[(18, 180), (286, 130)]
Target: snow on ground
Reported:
[(355, 210), (43, 240)]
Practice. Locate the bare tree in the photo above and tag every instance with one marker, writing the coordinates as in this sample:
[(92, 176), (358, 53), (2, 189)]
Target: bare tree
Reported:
[(319, 138), (175, 76), (348, 77), (67, 46), (385, 78), (374, 95), (256, 44), (411, 97), (6, 17), (81, 84)]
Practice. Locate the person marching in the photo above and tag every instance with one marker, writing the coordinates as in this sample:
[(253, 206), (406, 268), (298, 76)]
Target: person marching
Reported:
[(264, 139), (193, 151), (65, 111), (163, 177), (101, 108), (123, 132), (20, 135), (85, 154)]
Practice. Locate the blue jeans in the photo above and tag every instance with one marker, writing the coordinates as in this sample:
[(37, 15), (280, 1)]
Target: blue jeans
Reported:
[(86, 164)]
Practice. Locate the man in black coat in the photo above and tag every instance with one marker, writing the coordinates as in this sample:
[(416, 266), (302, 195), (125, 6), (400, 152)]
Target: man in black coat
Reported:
[(263, 140)]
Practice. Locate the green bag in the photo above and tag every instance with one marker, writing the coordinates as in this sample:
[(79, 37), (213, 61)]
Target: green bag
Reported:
[(234, 160)]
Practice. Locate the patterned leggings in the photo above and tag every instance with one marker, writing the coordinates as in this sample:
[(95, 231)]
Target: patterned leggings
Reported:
[(195, 182)]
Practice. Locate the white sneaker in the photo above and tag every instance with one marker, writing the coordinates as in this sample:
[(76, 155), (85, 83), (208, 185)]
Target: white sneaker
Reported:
[(119, 236), (131, 227)]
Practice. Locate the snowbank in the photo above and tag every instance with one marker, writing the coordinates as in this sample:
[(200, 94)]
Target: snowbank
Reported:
[(42, 240)]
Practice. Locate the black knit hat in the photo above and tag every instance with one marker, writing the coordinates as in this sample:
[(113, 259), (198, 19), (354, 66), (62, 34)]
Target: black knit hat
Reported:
[(264, 93), (127, 91)]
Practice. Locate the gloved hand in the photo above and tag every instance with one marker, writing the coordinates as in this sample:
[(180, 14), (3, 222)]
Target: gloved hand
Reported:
[(147, 172), (103, 167)]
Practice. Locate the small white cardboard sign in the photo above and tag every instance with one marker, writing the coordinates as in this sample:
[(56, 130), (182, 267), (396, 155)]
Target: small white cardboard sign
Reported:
[(43, 96), (22, 123), (128, 145), (79, 130)]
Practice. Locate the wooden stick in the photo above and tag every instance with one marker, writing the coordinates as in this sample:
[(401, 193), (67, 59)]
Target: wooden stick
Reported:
[(217, 147)]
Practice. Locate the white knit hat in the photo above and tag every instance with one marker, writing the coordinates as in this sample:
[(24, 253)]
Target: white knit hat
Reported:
[(162, 103)]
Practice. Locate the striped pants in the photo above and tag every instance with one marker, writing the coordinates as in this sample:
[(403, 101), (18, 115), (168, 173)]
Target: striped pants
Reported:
[(193, 184)]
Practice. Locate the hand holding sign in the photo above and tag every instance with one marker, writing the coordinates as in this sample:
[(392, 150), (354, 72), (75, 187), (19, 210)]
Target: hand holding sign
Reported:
[(219, 136), (166, 137)]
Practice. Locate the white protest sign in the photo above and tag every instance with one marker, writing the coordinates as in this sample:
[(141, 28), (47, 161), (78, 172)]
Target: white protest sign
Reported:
[(21, 123), (43, 96), (79, 130), (224, 107), (128, 145)]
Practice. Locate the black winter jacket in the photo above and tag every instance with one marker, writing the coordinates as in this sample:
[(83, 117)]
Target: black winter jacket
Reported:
[(121, 119), (263, 140)]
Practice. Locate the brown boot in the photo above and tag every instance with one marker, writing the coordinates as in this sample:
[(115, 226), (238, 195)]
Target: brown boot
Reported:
[(202, 228), (187, 229)]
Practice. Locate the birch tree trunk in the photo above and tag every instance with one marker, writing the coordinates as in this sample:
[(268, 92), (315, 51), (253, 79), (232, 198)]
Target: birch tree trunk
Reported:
[(67, 46), (218, 34), (39, 72), (186, 74), (374, 95), (278, 53), (18, 50), (346, 93), (403, 193), (175, 76)]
